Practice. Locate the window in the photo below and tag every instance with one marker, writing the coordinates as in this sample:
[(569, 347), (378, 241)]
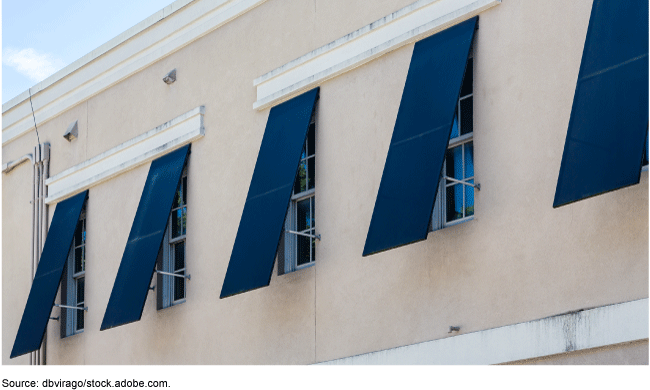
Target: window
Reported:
[(171, 259), (73, 287), (455, 197), (298, 248)]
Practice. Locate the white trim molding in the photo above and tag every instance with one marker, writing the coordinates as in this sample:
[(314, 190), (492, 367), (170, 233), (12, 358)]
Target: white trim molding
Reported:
[(409, 24), (574, 331), (158, 36), (165, 138)]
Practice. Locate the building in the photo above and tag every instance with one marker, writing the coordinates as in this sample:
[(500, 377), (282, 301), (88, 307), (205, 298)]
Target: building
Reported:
[(516, 260)]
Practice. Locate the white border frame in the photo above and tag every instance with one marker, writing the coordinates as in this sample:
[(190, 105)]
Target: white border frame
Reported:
[(573, 331)]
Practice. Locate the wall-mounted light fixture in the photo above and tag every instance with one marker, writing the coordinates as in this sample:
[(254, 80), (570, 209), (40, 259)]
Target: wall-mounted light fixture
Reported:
[(454, 329), (72, 133), (170, 77)]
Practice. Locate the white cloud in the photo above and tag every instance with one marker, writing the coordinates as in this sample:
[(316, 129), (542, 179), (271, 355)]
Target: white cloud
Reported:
[(37, 66)]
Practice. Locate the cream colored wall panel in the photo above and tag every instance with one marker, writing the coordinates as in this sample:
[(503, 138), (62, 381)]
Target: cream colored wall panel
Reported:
[(16, 254), (519, 259)]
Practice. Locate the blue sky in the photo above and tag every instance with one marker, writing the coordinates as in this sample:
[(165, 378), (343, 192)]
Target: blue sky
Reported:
[(39, 37)]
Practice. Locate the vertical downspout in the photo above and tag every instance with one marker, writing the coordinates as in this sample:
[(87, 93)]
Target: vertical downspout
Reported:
[(35, 223), (39, 225), (44, 226)]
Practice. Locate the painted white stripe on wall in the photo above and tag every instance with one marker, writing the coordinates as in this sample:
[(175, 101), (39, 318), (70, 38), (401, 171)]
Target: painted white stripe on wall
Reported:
[(598, 327), (409, 24), (158, 37), (163, 139)]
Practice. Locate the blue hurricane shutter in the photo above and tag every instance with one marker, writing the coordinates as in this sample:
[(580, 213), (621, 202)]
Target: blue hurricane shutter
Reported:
[(416, 154), (260, 228), (138, 263), (609, 118), (48, 275)]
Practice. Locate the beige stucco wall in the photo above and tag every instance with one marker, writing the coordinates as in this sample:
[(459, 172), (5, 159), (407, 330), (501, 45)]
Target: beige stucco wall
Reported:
[(517, 261)]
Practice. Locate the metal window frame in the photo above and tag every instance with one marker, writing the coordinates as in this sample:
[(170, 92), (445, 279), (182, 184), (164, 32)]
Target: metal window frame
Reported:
[(168, 261), (439, 214), (71, 283), (290, 226)]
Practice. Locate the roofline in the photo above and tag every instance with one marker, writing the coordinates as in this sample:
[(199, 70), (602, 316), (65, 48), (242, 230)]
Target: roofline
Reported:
[(99, 51), (151, 40)]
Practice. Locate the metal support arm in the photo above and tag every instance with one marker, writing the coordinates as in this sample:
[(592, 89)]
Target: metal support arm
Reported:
[(451, 179), (316, 236), (171, 274), (71, 307)]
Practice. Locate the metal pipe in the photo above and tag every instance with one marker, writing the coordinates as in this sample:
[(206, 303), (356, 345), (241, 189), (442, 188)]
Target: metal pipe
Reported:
[(317, 236), (39, 352), (32, 355), (170, 274), (6, 168), (45, 168), (72, 307)]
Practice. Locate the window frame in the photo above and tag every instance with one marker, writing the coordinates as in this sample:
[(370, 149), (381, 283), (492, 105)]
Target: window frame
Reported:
[(288, 250), (166, 262), (70, 317), (439, 214)]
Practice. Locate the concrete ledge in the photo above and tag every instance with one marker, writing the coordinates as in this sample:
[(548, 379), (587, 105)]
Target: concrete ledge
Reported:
[(409, 24), (155, 38), (574, 331), (163, 139)]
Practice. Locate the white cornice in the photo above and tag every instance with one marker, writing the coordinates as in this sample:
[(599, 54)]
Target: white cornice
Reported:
[(165, 138), (116, 41), (575, 331), (407, 25), (158, 36)]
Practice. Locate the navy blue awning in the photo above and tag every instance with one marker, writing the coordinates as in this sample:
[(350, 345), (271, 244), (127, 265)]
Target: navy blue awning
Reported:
[(260, 228), (407, 191), (139, 259), (609, 119), (48, 275)]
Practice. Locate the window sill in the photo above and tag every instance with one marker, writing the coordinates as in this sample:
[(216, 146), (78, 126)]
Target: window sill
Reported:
[(458, 221), (302, 267), (73, 334), (175, 303), (453, 223)]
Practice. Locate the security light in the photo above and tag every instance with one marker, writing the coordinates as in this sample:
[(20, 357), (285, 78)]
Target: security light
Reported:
[(170, 77), (72, 132)]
